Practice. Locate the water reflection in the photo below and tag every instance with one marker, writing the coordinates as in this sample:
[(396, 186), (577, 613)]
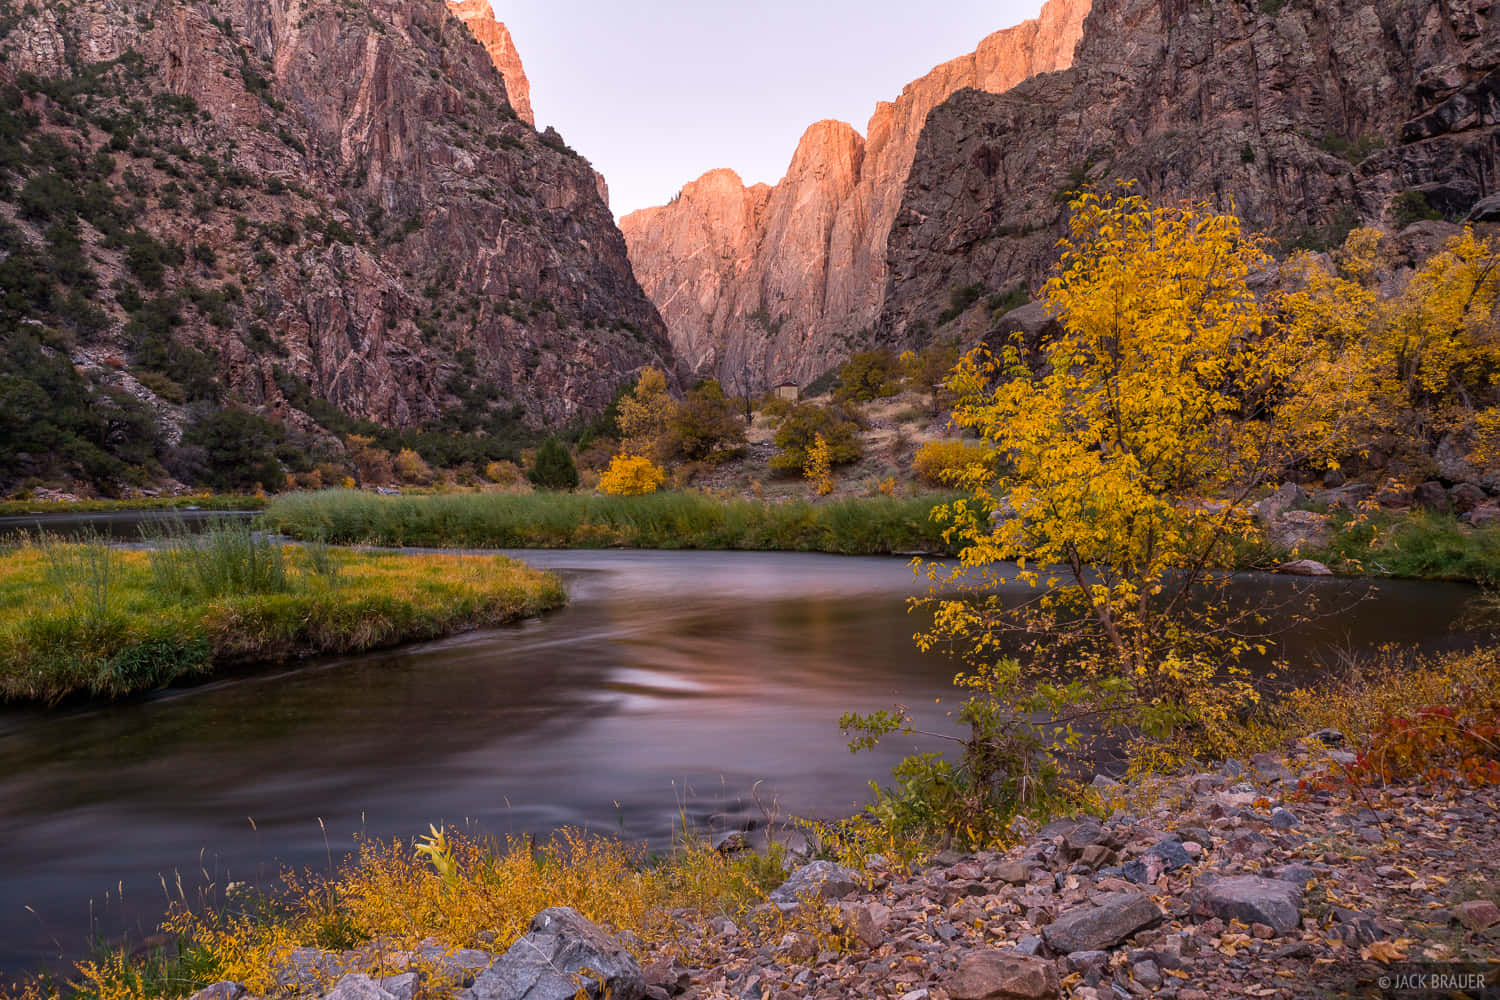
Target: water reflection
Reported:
[(673, 681)]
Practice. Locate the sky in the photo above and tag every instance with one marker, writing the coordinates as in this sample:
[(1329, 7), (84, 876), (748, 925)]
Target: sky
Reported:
[(658, 92)]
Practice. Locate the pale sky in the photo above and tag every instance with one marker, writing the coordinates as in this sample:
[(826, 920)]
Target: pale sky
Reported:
[(657, 92)]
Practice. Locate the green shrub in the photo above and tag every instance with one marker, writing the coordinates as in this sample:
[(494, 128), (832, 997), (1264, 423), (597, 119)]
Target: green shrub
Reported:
[(553, 467), (802, 425)]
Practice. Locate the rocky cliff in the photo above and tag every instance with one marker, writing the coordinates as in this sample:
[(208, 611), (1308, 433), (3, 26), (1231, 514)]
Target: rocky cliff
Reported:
[(1304, 118), (307, 209), (759, 284), (495, 37)]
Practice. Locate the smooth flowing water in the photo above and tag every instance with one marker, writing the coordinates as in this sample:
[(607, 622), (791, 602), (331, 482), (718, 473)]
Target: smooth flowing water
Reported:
[(671, 684)]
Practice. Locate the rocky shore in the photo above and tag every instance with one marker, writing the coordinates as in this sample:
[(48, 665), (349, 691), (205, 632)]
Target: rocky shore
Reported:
[(1267, 878)]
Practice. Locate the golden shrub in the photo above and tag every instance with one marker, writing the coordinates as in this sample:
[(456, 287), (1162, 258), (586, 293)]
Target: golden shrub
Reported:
[(946, 462), (631, 475)]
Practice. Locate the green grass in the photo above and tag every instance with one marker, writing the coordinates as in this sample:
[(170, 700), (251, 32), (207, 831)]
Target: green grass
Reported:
[(869, 526), (225, 501), (82, 618), (1422, 546)]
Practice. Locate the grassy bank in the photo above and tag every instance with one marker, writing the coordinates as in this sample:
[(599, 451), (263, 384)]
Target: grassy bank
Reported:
[(868, 526), (1421, 545), (223, 501), (86, 619)]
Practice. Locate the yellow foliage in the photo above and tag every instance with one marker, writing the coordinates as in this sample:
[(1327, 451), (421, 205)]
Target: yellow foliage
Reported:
[(818, 469), (503, 473), (645, 415), (412, 469), (631, 475), (951, 462)]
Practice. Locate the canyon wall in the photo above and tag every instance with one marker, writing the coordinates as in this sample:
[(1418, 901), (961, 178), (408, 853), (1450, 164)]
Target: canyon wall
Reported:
[(1303, 118), (329, 208), (763, 283)]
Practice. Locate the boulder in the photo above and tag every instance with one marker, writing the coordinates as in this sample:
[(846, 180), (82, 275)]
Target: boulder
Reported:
[(1299, 530), (1093, 928), (866, 921), (1483, 516), (561, 957), (1012, 872), (226, 990), (1465, 497), (358, 986), (1346, 497), (1485, 210), (402, 987), (1287, 496), (1304, 567), (1477, 914), (1003, 975), (818, 880), (1431, 495), (732, 842), (1252, 899)]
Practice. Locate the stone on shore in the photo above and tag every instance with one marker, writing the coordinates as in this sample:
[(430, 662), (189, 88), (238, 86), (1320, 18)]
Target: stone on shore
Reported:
[(817, 880), (1003, 975), (1094, 928), (562, 956), (1252, 899)]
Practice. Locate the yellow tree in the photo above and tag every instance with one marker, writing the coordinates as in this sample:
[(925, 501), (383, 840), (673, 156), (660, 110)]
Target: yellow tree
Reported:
[(645, 416), (1128, 458)]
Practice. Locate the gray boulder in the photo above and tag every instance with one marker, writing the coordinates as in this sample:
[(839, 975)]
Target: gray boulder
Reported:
[(562, 956), (1483, 516), (1300, 530), (1287, 496), (818, 880), (1094, 928), (1304, 567), (1256, 900), (226, 990), (1346, 497), (1465, 497), (358, 986)]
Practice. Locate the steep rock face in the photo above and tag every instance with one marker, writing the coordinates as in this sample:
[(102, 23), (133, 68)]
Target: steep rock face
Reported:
[(495, 37), (777, 302), (349, 210), (1304, 118)]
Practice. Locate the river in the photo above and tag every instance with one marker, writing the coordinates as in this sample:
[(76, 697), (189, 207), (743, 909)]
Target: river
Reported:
[(671, 684)]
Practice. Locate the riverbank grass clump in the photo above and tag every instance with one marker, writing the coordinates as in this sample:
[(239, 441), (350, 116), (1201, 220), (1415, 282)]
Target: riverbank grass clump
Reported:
[(83, 618), (670, 520)]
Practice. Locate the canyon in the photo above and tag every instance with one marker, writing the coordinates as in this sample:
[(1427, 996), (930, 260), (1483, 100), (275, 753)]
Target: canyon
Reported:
[(761, 284), (323, 213)]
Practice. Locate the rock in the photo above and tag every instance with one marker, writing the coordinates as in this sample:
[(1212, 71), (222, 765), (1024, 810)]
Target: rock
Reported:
[(1080, 836), (1334, 478), (1090, 928), (1254, 899), (1269, 767), (1483, 516), (358, 986), (1097, 856), (402, 987), (1147, 974), (454, 964), (668, 975), (1327, 737), (495, 37), (1465, 497), (1104, 782), (817, 880), (226, 990), (1012, 872), (305, 967), (766, 282), (1431, 496), (1283, 819), (561, 956), (1299, 874), (1485, 210), (1477, 914), (1272, 508), (1304, 567), (866, 921), (1298, 530), (1031, 944), (1082, 961), (734, 841), (1003, 975), (1346, 497)]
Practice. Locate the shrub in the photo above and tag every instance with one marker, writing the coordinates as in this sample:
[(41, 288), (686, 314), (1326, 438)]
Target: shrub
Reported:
[(801, 427), (705, 426), (947, 462), (819, 468), (869, 375), (553, 467), (631, 475), (237, 447), (502, 472), (411, 468)]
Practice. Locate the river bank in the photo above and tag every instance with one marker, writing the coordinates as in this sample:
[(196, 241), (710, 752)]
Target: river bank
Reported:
[(87, 619), (1308, 871)]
